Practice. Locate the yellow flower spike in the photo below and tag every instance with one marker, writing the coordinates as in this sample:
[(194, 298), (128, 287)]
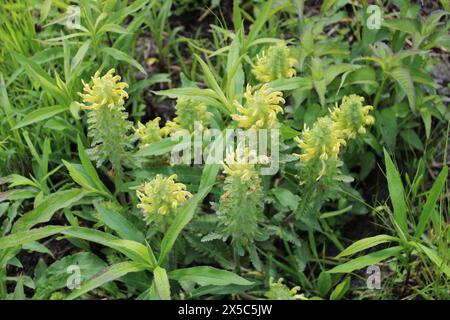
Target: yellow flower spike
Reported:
[(275, 63), (161, 196), (148, 133), (321, 143), (260, 109), (352, 116), (189, 112), (241, 163), (105, 91), (170, 128)]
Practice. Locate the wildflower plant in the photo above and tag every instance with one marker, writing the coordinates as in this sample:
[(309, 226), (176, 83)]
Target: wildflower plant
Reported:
[(107, 120), (275, 63), (320, 147), (260, 109), (149, 133), (351, 117), (241, 205), (322, 143), (160, 197)]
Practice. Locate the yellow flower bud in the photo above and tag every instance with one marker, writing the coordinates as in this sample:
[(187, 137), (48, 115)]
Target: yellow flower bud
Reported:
[(105, 91), (260, 109), (275, 63)]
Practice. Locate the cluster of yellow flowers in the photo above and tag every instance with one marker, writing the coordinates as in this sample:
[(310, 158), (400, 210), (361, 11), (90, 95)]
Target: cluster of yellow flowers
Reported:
[(275, 63), (149, 133), (324, 140), (260, 109), (105, 91), (352, 116), (241, 162), (161, 196), (190, 112)]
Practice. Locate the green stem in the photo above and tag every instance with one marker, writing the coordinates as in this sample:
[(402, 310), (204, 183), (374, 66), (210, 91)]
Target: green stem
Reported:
[(379, 91)]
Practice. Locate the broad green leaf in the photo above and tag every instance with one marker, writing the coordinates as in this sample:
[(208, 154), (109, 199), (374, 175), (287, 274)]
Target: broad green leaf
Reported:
[(212, 83), (110, 274), (286, 198), (56, 275), (340, 289), (162, 283), (79, 56), (323, 283), (291, 84), (435, 258), (406, 25), (411, 137), (158, 148), (78, 175), (134, 250), (40, 114), (397, 194), (23, 237), (124, 228), (367, 260), (183, 217), (366, 243), (45, 210), (90, 169), (432, 198), (403, 78), (208, 276), (122, 56)]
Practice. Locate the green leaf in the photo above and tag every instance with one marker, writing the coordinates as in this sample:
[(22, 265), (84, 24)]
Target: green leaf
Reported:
[(291, 84), (109, 274), (90, 169), (45, 210), (79, 56), (124, 228), (212, 83), (158, 148), (183, 217), (434, 257), (340, 289), (23, 237), (406, 25), (403, 78), (367, 260), (36, 71), (366, 243), (412, 139), (397, 194), (134, 250), (323, 283), (40, 114), (162, 283), (122, 56), (432, 198), (286, 198), (208, 276)]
